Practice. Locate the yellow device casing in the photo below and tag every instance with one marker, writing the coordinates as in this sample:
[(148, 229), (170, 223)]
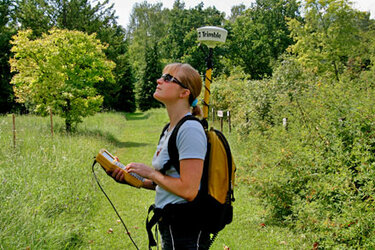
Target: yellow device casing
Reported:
[(109, 163)]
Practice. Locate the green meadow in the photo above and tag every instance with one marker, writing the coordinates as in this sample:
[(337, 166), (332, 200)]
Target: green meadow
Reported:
[(50, 200)]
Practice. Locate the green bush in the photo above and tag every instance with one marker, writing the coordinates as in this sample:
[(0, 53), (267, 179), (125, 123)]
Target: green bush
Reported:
[(317, 176)]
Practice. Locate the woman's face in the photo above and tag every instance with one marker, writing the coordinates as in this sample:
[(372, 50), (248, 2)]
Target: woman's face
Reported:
[(169, 88)]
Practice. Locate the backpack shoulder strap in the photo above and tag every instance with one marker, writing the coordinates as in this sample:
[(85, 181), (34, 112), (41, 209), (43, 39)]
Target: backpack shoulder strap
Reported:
[(172, 146), (164, 129)]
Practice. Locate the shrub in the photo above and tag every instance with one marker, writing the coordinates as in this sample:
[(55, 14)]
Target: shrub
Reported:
[(317, 176)]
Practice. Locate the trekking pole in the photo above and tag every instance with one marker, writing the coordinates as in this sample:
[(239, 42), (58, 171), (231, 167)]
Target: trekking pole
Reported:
[(211, 36)]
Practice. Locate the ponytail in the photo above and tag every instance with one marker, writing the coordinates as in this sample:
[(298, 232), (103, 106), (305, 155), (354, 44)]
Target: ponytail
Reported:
[(197, 111)]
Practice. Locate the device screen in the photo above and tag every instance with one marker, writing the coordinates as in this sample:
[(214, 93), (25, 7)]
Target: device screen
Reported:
[(107, 156)]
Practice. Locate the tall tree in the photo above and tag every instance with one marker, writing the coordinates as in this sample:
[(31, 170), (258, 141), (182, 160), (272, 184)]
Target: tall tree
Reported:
[(147, 26), (58, 71), (84, 15), (6, 32), (327, 37), (125, 94), (237, 11), (36, 15), (260, 35), (180, 42), (151, 73)]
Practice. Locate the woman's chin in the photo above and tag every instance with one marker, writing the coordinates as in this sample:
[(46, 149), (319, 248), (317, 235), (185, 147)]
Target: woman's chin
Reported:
[(156, 96)]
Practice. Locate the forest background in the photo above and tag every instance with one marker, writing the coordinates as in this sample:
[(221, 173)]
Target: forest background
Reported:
[(310, 63)]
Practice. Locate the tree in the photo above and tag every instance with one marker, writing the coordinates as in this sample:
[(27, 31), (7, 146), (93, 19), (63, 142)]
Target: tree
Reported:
[(152, 72), (6, 32), (124, 96), (180, 42), (147, 26), (89, 17), (58, 71), (36, 15), (236, 11), (327, 37), (260, 35)]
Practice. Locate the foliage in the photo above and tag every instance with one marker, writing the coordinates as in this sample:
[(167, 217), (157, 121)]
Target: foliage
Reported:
[(259, 35), (6, 32), (58, 72), (45, 201), (88, 17), (317, 174), (327, 36), (125, 96), (35, 15), (180, 42), (147, 26), (175, 32), (249, 101), (148, 83), (50, 200)]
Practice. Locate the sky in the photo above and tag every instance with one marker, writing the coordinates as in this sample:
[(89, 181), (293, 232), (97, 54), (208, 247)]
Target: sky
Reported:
[(124, 7)]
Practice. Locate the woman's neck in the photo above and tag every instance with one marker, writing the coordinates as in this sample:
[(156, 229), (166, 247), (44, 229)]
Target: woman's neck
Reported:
[(176, 112)]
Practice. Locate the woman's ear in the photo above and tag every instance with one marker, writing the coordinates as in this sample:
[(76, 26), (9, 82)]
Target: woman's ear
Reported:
[(185, 93)]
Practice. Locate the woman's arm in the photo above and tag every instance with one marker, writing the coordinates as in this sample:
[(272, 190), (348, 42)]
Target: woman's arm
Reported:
[(186, 186)]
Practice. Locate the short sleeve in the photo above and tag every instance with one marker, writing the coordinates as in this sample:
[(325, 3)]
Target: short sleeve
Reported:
[(191, 141)]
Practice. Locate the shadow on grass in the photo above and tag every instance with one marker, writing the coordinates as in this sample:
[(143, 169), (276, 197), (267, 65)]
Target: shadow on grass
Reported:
[(107, 136), (137, 116)]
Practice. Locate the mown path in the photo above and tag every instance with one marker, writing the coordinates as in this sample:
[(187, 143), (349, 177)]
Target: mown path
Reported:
[(136, 142)]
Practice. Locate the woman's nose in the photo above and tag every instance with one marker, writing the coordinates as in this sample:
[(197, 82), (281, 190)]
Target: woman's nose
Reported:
[(159, 81)]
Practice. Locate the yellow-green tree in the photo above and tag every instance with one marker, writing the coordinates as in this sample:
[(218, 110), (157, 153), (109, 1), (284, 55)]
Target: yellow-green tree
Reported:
[(327, 37), (58, 71)]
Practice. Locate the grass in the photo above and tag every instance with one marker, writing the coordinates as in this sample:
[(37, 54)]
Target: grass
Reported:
[(49, 199)]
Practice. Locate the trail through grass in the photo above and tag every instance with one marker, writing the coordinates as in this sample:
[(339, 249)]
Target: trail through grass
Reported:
[(49, 199)]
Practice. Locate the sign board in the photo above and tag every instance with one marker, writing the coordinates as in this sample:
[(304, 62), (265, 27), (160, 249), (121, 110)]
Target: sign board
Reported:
[(220, 113)]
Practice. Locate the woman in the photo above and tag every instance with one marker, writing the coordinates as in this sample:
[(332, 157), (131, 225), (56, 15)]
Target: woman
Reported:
[(178, 89)]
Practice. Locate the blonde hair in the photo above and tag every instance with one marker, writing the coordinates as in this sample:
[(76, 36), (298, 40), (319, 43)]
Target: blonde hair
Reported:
[(190, 77)]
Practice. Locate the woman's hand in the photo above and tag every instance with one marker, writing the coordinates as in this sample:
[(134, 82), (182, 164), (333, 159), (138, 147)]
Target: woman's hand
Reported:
[(118, 175), (140, 169)]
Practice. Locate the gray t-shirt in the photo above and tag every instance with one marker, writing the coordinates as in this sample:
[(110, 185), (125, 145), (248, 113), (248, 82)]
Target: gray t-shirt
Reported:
[(191, 143)]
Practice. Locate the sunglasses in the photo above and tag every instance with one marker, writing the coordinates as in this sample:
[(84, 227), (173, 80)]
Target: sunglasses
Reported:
[(170, 78)]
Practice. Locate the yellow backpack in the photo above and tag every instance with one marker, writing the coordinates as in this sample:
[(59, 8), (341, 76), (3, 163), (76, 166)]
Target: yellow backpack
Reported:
[(215, 196)]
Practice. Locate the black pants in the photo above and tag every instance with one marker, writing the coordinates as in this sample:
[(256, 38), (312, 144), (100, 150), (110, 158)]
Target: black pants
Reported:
[(177, 239)]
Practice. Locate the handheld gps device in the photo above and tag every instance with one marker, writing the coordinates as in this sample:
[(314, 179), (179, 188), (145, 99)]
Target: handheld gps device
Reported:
[(109, 162)]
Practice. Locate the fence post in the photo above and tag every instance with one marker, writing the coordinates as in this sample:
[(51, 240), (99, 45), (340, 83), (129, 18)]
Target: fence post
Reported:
[(220, 114), (14, 131), (50, 114), (229, 125), (213, 116)]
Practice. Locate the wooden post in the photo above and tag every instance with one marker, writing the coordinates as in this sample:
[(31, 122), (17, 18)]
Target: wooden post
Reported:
[(14, 131), (213, 116), (220, 114), (50, 114), (229, 125)]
